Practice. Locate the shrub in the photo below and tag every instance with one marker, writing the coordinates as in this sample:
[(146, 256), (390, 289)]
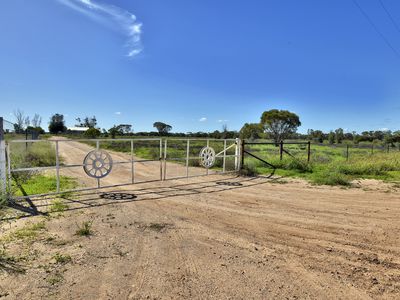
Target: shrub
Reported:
[(92, 133)]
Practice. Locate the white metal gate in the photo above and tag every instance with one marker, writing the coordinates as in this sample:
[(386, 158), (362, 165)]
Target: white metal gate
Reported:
[(167, 158)]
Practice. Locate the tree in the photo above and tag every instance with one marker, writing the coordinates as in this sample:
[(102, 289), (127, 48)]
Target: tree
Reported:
[(36, 121), (331, 137), (87, 122), (339, 134), (251, 131), (279, 124), (19, 121), (57, 124), (162, 128), (125, 128), (92, 133), (316, 135)]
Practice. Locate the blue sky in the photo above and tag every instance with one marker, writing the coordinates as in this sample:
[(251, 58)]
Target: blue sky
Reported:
[(199, 64)]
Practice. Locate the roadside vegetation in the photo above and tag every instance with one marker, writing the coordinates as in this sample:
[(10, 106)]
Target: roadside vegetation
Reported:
[(328, 165)]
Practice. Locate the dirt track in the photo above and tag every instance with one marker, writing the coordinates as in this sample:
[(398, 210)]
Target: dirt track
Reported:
[(221, 237)]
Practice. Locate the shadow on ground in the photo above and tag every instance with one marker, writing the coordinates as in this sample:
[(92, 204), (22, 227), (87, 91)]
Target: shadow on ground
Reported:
[(97, 198)]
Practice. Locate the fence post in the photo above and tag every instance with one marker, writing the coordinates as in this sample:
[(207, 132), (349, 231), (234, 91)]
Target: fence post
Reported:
[(3, 176), (240, 143), (308, 151), (347, 152), (280, 150)]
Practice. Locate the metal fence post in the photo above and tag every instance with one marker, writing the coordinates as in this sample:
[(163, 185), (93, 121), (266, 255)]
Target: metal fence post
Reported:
[(308, 151), (161, 159), (240, 144), (187, 157), (165, 160), (347, 152), (132, 164), (208, 145), (224, 158), (57, 168), (3, 176), (238, 154), (281, 150)]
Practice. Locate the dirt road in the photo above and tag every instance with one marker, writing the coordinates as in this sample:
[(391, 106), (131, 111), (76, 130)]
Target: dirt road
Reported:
[(214, 237)]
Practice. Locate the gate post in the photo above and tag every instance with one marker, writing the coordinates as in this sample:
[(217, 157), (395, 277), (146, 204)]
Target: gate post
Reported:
[(238, 154), (3, 176)]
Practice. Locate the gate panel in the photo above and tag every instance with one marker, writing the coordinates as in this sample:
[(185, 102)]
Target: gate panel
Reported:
[(183, 157), (84, 164)]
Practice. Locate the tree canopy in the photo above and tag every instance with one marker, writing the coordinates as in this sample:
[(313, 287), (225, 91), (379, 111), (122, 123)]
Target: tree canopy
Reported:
[(279, 124), (162, 128), (57, 124), (86, 122), (251, 131)]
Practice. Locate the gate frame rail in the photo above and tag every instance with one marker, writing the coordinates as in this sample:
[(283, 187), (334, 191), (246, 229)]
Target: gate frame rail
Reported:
[(162, 159)]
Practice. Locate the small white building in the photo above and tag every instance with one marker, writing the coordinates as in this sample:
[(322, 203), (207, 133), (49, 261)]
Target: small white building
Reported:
[(78, 129)]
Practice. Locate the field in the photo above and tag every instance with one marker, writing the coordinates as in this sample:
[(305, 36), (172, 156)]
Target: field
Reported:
[(220, 236), (205, 237), (331, 165)]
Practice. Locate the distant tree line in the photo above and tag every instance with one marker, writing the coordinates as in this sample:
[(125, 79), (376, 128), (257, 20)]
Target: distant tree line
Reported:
[(339, 136), (274, 124)]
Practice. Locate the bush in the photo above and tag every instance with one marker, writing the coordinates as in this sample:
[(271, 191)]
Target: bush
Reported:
[(92, 133)]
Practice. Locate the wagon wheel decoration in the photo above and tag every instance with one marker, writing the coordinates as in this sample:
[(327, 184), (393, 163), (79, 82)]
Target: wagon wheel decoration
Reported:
[(207, 157), (97, 164)]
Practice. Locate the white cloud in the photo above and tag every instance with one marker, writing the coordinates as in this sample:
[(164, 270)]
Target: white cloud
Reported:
[(117, 113), (203, 119), (222, 121), (122, 20)]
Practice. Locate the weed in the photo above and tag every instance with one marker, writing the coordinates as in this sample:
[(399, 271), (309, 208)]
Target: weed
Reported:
[(55, 278), (330, 178), (28, 232), (85, 229), (58, 206), (62, 259)]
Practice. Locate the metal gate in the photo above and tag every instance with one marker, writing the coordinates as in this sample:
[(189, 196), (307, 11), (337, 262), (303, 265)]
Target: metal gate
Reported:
[(135, 160)]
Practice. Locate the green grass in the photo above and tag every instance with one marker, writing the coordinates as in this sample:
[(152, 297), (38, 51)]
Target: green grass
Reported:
[(30, 155), (58, 205), (328, 165), (28, 232), (41, 184), (85, 229)]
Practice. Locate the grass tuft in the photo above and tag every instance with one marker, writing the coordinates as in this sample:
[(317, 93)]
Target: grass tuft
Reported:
[(62, 259), (58, 206), (85, 229)]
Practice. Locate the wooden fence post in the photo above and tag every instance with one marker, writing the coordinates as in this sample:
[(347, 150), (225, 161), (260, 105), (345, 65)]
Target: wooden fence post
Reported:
[(347, 152), (281, 150)]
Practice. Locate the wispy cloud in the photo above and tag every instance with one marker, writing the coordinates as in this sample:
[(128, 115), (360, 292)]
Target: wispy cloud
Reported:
[(203, 119), (222, 121), (121, 19), (117, 113)]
